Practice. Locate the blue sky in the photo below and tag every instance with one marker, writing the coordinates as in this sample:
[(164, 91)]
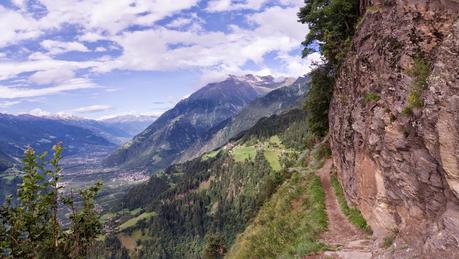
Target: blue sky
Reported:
[(101, 58)]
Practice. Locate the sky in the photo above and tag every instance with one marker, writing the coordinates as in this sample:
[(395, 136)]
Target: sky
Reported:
[(102, 58)]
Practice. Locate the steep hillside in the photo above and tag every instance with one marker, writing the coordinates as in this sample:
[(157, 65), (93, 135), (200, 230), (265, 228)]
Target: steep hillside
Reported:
[(275, 102), (190, 121), (17, 132), (394, 125), (209, 200)]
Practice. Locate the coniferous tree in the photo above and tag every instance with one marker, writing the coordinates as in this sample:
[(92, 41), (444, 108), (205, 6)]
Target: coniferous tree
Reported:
[(30, 227), (332, 24)]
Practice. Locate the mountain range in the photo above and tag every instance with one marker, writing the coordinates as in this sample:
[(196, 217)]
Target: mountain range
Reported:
[(184, 131), (274, 102), (78, 135)]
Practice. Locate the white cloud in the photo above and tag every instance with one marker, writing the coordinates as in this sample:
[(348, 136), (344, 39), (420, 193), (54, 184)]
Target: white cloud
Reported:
[(16, 27), (231, 5), (180, 22), (215, 51), (58, 47), (91, 37), (73, 84), (38, 56), (111, 17), (58, 75), (92, 109), (181, 44), (39, 112), (97, 17), (22, 4), (12, 68), (154, 114), (100, 49), (6, 104)]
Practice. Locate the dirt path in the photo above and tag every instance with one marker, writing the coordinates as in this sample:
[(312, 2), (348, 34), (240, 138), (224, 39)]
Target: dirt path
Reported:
[(342, 236)]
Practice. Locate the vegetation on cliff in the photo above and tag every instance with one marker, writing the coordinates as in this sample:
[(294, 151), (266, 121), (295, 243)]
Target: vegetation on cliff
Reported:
[(331, 27)]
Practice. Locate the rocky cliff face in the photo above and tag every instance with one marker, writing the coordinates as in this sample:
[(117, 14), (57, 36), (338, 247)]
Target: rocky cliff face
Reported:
[(394, 135)]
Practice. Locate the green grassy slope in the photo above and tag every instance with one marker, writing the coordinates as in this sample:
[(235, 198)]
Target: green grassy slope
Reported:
[(289, 223)]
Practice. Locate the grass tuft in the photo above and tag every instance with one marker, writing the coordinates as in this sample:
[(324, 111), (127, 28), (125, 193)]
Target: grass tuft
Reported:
[(389, 239), (371, 97), (353, 214), (420, 72)]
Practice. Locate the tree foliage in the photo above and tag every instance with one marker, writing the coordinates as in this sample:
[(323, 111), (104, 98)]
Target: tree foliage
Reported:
[(331, 26), (30, 227), (318, 101)]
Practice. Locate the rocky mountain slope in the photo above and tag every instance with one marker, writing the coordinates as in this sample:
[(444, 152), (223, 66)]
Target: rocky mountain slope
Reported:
[(192, 120), (275, 102), (394, 123)]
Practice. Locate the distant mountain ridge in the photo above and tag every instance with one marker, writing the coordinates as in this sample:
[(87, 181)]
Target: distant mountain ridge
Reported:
[(117, 130), (78, 135), (190, 121), (20, 131), (275, 102)]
